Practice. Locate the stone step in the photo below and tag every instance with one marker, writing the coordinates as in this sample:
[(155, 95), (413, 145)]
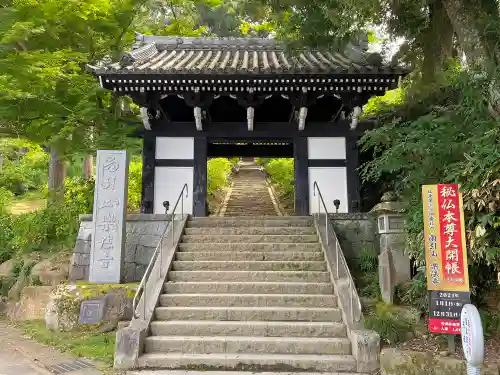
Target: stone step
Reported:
[(247, 344), (239, 256), (250, 328), (272, 276), (207, 265), (248, 300), (248, 288), (251, 221), (204, 238), (225, 313), (246, 247), (249, 362), (184, 372)]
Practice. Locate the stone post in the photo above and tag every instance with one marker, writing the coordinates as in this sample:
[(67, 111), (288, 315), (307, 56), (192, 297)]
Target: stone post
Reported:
[(108, 223), (390, 224)]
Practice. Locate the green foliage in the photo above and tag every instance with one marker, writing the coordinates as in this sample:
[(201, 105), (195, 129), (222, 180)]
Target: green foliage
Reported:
[(25, 167), (5, 198), (134, 184), (364, 269), (218, 174), (80, 192), (442, 134), (281, 172), (392, 324)]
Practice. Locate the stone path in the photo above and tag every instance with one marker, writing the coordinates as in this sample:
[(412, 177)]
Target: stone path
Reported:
[(250, 195), (19, 355)]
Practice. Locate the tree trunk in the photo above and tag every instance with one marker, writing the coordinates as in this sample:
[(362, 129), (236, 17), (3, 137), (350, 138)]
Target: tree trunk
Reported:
[(464, 26), (438, 43), (57, 174), (88, 167)]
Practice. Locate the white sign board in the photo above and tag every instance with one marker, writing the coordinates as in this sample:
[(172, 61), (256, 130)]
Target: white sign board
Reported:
[(108, 224), (472, 338)]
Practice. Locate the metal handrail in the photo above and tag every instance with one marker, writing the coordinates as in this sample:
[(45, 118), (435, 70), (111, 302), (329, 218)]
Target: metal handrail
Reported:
[(340, 260), (158, 251)]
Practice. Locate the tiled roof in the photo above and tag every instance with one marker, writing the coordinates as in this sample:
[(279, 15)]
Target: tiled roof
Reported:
[(249, 56)]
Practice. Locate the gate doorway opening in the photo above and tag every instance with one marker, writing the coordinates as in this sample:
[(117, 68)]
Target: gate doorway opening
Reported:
[(250, 190)]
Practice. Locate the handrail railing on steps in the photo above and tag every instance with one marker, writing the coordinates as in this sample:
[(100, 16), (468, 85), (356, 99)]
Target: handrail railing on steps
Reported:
[(340, 265), (141, 289)]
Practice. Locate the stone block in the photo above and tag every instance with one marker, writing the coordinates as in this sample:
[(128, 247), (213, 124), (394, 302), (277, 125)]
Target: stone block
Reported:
[(133, 239), (33, 303), (149, 240), (365, 346), (140, 269), (63, 309), (405, 362), (79, 259), (129, 272), (130, 250), (129, 345), (82, 246), (144, 254), (78, 273), (395, 242), (387, 276)]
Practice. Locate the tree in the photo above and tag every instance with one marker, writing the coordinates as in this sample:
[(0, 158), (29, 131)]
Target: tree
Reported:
[(46, 96)]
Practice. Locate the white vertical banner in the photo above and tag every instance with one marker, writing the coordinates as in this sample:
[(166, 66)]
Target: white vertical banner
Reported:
[(109, 217)]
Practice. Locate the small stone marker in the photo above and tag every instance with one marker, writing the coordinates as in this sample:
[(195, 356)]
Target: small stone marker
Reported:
[(108, 224), (91, 311), (386, 276)]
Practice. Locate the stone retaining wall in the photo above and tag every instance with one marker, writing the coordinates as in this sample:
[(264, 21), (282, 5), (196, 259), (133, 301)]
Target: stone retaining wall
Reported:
[(143, 235), (356, 231)]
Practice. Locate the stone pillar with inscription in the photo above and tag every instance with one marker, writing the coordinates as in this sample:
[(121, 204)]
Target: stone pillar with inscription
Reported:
[(108, 223), (390, 223)]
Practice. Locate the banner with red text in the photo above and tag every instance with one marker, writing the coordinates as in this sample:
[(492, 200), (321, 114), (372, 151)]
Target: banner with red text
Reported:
[(446, 256)]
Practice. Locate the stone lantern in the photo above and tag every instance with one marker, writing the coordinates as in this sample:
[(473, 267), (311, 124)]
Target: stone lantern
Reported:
[(394, 264)]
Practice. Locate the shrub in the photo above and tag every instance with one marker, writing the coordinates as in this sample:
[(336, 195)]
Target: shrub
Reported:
[(5, 199), (281, 173), (80, 193), (135, 184), (391, 323), (218, 174)]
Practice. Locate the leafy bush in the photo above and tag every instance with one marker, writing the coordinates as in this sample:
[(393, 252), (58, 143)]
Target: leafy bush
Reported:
[(218, 174), (135, 184), (281, 173), (80, 193), (391, 323), (5, 199)]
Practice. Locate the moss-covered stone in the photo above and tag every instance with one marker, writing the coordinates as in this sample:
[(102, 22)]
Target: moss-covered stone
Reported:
[(63, 310)]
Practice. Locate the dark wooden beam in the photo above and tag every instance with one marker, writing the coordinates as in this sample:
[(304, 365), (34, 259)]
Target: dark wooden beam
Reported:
[(174, 163), (353, 179), (267, 130), (323, 163), (250, 150), (200, 177), (148, 173), (301, 166)]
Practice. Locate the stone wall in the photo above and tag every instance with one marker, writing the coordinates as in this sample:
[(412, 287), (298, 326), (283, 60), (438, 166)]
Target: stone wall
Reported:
[(356, 231), (143, 235)]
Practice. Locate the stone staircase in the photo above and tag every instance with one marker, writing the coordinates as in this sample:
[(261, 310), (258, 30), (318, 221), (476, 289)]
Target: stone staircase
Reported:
[(249, 294), (250, 195)]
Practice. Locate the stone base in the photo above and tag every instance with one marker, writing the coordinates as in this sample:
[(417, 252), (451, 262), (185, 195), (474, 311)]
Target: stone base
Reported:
[(143, 235)]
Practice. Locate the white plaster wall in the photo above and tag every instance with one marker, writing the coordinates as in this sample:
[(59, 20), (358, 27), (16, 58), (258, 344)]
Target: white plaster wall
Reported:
[(168, 185), (174, 148), (331, 148), (332, 181)]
